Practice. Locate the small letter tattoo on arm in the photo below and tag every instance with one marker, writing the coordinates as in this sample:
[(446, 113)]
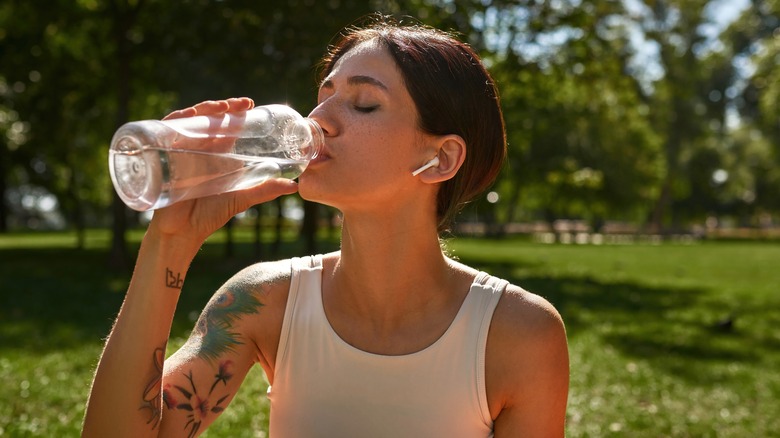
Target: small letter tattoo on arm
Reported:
[(173, 281)]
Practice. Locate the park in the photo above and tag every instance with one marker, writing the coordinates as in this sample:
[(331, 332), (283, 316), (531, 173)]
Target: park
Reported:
[(671, 339), (641, 196)]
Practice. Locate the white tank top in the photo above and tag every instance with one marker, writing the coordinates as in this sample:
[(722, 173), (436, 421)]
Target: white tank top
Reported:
[(324, 387)]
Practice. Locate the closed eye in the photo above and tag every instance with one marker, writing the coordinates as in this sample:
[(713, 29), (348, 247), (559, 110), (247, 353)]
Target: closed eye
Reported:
[(365, 109)]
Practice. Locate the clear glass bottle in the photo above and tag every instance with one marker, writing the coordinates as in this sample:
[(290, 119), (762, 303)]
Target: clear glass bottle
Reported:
[(155, 163)]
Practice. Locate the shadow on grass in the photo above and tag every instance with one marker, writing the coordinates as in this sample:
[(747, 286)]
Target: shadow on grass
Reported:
[(55, 298), (59, 298), (674, 329)]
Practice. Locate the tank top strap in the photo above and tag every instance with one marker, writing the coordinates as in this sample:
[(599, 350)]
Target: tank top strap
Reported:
[(304, 270), (489, 290), (484, 279), (306, 263)]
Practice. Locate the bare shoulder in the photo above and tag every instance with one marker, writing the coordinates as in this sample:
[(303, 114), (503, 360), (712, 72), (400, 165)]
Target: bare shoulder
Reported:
[(265, 276), (521, 313), (263, 288), (526, 328), (527, 365), (267, 282)]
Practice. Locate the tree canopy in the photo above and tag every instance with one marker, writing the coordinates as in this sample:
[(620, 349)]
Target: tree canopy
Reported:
[(658, 112)]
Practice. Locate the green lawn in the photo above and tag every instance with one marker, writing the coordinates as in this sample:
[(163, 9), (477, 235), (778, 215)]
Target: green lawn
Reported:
[(647, 357)]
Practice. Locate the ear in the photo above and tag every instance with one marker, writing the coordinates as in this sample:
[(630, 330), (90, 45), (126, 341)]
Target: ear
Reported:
[(451, 154)]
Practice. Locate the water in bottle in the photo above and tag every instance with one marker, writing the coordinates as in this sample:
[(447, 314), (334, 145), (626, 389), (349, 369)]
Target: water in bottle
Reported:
[(156, 163)]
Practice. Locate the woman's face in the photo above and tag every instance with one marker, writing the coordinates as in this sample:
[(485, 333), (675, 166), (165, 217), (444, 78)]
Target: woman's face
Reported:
[(371, 135)]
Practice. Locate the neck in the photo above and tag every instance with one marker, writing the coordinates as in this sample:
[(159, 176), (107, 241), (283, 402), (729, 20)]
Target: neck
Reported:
[(389, 269), (392, 290)]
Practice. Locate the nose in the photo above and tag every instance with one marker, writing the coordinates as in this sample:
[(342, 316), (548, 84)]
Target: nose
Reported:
[(324, 118)]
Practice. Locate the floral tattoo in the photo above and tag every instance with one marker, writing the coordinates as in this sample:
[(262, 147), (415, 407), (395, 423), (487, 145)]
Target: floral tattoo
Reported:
[(198, 406), (213, 336)]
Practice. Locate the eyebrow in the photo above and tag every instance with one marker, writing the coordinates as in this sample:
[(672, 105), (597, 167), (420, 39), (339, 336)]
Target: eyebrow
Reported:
[(357, 80)]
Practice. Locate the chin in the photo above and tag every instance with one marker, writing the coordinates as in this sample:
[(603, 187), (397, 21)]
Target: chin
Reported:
[(308, 189)]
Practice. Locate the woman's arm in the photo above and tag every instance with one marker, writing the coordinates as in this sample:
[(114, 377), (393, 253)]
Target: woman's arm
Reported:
[(201, 379), (126, 397), (527, 370)]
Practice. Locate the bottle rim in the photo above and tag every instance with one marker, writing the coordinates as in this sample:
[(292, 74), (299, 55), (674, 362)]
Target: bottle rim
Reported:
[(317, 136)]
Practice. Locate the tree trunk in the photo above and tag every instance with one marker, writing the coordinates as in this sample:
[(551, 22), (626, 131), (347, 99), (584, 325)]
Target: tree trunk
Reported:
[(276, 246), (230, 245), (78, 221), (3, 190), (258, 243), (123, 17), (661, 208), (309, 226), (512, 203)]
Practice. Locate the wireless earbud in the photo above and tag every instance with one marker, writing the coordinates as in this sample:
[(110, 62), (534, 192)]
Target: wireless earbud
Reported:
[(433, 163)]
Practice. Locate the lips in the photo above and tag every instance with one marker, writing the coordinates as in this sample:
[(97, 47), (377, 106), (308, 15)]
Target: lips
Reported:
[(323, 155)]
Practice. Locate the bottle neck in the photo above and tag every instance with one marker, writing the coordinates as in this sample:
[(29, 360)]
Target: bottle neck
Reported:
[(317, 137)]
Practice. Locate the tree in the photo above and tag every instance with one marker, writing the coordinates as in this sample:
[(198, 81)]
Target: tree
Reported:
[(755, 40), (49, 57), (267, 53), (580, 143), (691, 103)]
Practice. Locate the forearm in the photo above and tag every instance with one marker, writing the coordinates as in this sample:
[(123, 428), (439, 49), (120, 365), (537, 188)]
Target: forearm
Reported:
[(125, 397)]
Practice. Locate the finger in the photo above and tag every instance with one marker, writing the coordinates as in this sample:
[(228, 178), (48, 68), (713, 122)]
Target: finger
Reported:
[(267, 191), (186, 112), (240, 104), (212, 107)]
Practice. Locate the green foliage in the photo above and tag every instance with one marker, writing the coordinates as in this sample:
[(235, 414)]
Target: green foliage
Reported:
[(580, 142), (595, 131), (694, 107)]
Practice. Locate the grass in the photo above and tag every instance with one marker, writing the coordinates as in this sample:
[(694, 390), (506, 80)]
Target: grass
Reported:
[(647, 357)]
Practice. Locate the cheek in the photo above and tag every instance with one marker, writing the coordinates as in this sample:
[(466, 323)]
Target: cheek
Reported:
[(387, 143)]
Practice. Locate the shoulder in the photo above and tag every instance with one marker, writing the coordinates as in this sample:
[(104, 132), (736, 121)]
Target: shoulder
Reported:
[(270, 282), (525, 328), (267, 282), (263, 275), (520, 313), (265, 287), (527, 362)]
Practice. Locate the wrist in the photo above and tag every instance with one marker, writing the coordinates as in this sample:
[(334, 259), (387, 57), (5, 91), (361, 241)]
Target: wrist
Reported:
[(181, 246), (171, 253)]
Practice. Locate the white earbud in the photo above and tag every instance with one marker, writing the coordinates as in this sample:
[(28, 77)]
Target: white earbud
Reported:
[(433, 163)]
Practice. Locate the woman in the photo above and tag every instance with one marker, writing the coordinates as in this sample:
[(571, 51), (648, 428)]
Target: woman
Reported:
[(386, 337)]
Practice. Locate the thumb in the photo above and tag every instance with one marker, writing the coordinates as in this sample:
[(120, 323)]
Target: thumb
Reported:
[(264, 192)]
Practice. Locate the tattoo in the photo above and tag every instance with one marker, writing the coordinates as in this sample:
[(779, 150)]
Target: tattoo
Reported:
[(223, 374), (172, 281), (215, 326), (198, 408), (151, 396)]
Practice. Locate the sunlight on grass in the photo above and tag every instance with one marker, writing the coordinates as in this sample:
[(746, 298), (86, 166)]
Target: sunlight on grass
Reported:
[(665, 340), (44, 395), (648, 357)]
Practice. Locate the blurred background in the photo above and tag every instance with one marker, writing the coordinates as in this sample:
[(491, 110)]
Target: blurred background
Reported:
[(650, 128), (657, 115)]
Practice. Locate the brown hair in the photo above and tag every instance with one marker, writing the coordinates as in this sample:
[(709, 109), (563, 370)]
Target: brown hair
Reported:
[(453, 93)]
